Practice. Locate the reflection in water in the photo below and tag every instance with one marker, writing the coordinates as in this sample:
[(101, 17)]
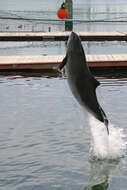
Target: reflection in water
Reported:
[(103, 186), (101, 172)]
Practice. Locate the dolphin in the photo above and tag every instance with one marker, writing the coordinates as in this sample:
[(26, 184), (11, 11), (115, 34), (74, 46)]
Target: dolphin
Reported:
[(82, 83)]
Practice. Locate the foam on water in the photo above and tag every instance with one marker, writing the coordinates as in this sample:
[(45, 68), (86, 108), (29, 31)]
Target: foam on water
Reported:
[(104, 146)]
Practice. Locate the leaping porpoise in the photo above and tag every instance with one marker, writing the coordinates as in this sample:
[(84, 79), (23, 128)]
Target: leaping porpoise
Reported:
[(82, 83)]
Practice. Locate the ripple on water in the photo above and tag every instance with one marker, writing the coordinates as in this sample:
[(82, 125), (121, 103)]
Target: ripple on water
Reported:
[(45, 139)]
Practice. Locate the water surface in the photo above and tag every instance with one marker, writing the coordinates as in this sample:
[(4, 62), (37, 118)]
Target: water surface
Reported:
[(45, 139)]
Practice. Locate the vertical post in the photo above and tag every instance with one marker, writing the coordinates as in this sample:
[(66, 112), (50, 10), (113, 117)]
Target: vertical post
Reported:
[(69, 7)]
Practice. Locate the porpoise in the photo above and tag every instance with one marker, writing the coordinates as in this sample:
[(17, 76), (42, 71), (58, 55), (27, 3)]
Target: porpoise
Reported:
[(82, 83)]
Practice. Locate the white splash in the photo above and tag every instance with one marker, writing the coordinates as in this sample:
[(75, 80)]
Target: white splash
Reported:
[(104, 146)]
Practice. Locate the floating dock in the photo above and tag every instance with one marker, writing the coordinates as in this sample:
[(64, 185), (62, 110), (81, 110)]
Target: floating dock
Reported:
[(62, 36), (45, 62)]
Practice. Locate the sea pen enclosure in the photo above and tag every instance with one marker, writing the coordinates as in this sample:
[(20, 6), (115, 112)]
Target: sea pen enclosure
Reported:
[(45, 139)]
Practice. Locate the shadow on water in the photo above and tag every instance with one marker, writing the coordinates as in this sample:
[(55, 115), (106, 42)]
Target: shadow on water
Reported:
[(110, 72), (107, 73), (101, 173), (31, 73)]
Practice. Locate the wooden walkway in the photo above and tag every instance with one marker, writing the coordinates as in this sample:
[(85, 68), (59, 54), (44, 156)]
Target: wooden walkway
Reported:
[(42, 62), (62, 36)]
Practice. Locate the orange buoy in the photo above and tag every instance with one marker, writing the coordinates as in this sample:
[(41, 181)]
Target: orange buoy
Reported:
[(62, 13)]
